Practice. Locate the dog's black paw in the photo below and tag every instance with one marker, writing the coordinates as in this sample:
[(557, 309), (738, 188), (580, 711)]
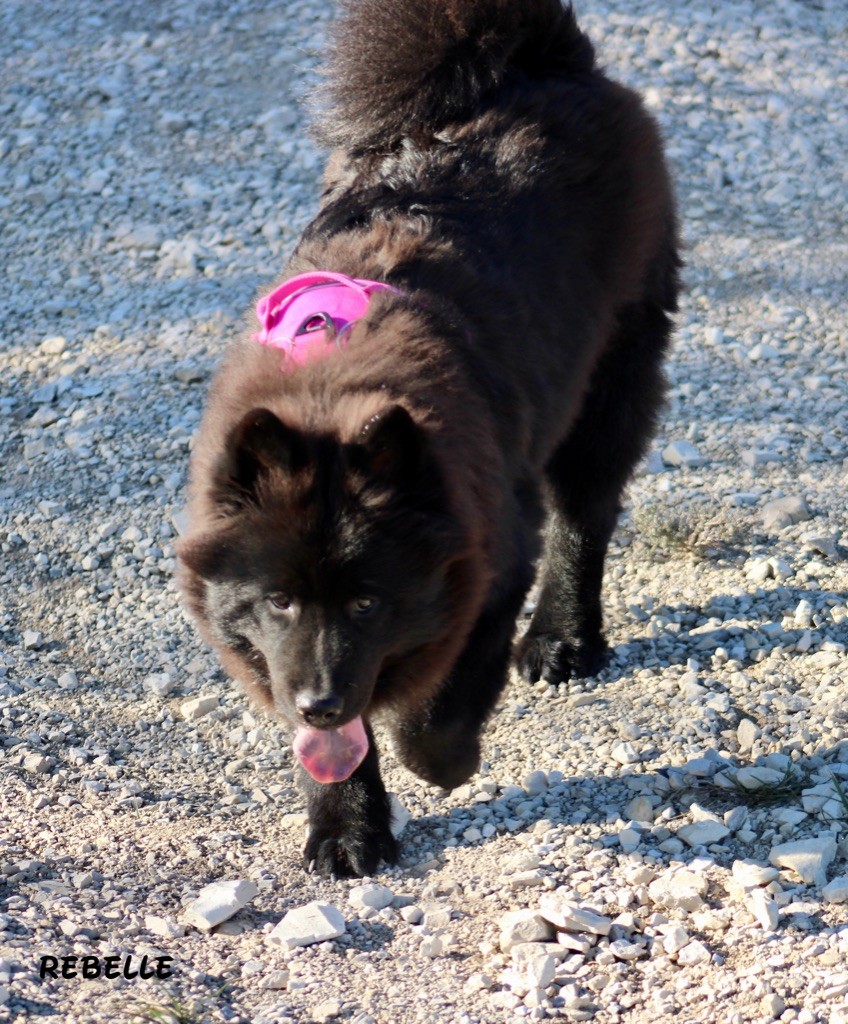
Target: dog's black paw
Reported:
[(351, 854), (553, 659)]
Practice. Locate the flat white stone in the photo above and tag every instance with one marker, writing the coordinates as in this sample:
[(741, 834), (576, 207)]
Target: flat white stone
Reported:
[(306, 925), (702, 833), (809, 859), (784, 512), (759, 570), (526, 879), (197, 707), (679, 889), (621, 949), (160, 684), (523, 926), (33, 640), (218, 901), (54, 346), (524, 952), (759, 777), (164, 926), (275, 981), (371, 895), (748, 874), (790, 816), (694, 953), (683, 453), (736, 818), (568, 917), (836, 890)]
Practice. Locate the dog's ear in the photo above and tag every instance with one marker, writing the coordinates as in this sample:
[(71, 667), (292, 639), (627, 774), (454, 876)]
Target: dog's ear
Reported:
[(204, 554), (392, 446), (259, 444)]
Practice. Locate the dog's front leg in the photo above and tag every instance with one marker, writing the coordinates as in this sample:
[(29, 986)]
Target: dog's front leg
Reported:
[(349, 821)]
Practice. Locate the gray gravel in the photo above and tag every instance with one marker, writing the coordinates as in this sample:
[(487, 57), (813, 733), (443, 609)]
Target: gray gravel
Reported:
[(154, 171)]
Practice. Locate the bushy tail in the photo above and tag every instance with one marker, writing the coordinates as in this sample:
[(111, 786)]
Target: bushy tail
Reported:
[(402, 65)]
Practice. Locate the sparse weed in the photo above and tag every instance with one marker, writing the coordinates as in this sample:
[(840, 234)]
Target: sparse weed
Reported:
[(700, 530), (788, 787), (170, 1011)]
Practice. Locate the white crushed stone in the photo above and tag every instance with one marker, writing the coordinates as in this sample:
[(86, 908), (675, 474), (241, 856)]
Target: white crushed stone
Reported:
[(218, 901), (808, 859), (568, 917), (312, 923)]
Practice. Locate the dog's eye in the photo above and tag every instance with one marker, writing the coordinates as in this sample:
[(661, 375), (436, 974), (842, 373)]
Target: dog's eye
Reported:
[(363, 606), (279, 602)]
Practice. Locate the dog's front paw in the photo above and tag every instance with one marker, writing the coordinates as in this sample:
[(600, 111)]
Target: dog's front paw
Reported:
[(550, 657), (350, 854)]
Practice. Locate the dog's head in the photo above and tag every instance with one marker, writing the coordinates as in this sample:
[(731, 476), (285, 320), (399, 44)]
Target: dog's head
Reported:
[(324, 563)]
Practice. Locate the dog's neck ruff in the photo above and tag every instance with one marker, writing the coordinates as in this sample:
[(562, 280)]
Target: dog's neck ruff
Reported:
[(308, 317)]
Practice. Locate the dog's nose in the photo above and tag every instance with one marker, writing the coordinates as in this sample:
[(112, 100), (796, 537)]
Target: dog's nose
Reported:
[(320, 712)]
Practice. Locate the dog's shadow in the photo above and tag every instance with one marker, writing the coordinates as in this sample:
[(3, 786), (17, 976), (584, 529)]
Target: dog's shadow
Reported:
[(588, 799)]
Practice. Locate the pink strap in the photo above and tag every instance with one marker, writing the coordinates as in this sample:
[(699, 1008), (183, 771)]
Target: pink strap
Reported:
[(308, 316)]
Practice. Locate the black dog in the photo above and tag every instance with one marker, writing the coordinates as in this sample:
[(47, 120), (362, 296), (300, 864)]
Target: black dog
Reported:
[(376, 464)]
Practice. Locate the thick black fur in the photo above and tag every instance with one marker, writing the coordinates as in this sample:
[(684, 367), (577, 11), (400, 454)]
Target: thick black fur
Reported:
[(365, 530)]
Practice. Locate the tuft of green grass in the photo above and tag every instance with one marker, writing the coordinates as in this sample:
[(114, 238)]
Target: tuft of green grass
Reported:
[(788, 787), (171, 1011), (840, 792)]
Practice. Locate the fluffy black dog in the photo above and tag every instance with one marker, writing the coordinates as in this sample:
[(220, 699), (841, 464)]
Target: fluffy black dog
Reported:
[(365, 525)]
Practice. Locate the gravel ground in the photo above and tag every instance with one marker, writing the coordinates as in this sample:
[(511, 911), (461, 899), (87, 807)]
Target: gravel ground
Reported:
[(154, 171)]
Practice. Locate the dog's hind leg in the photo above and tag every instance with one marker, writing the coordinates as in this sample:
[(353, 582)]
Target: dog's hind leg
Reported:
[(586, 477)]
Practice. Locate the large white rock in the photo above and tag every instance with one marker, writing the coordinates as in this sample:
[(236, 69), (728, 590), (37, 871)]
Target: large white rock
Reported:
[(371, 895), (748, 874), (197, 707), (679, 889), (568, 917), (693, 953), (809, 859), (759, 777), (306, 925), (683, 453), (764, 909), (836, 891), (523, 926), (784, 512), (218, 902), (747, 731), (675, 938), (540, 971), (702, 833)]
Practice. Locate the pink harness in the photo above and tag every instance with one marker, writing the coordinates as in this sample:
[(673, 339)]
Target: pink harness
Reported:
[(309, 316)]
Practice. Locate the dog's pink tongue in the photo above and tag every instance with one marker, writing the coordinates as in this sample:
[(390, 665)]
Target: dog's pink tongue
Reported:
[(331, 755)]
